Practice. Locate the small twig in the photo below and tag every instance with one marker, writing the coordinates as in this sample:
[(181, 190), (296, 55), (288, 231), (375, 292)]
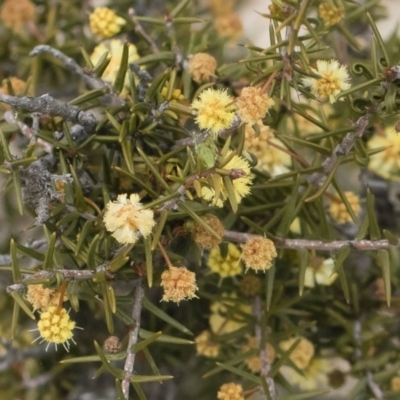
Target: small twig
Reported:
[(93, 82), (133, 338), (172, 35), (67, 274), (10, 118), (263, 350), (46, 104), (68, 62), (317, 179), (140, 30), (375, 389), (294, 244)]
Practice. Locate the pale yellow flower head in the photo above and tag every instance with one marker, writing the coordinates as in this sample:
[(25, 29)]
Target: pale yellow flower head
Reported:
[(302, 353), (214, 110), (253, 104), (228, 266), (315, 375), (55, 326), (126, 218), (330, 14), (386, 163), (258, 253), (202, 67), (105, 23), (115, 49), (241, 185), (230, 391), (270, 159), (179, 284), (338, 210), (205, 346), (334, 79), (320, 271)]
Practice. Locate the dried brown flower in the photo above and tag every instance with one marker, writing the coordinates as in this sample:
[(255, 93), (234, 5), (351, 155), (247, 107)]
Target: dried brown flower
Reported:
[(112, 344), (14, 14), (202, 237), (253, 104), (250, 286), (179, 284), (202, 67)]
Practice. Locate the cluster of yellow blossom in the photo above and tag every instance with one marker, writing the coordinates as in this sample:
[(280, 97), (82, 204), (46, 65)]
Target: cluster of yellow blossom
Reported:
[(334, 78), (241, 185), (330, 14), (254, 363), (270, 159), (202, 237), (126, 218), (230, 391), (202, 67), (176, 94), (55, 326), (215, 110), (320, 271), (228, 266), (205, 346), (387, 162), (338, 209), (258, 253), (179, 284), (302, 354), (115, 49), (105, 23)]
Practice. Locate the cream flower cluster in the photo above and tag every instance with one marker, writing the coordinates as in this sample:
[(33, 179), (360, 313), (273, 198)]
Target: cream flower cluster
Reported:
[(126, 219), (386, 163), (179, 284), (338, 209), (334, 78)]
